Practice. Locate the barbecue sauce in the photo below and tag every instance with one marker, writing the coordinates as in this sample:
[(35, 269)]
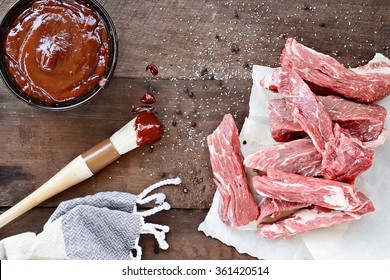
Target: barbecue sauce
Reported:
[(57, 50), (141, 109), (148, 98), (148, 127), (152, 69)]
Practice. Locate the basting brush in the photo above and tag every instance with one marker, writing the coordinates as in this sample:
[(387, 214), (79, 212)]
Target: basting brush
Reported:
[(144, 129)]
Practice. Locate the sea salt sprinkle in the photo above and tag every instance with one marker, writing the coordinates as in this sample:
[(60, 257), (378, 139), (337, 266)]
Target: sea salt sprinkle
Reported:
[(213, 75)]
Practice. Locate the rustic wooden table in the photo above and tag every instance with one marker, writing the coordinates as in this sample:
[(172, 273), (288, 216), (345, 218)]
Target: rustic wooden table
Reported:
[(204, 51)]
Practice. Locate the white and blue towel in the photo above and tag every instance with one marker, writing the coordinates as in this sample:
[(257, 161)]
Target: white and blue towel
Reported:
[(103, 226)]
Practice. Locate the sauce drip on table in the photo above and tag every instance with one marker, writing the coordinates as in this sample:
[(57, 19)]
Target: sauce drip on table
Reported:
[(148, 98), (57, 51), (148, 127), (152, 68)]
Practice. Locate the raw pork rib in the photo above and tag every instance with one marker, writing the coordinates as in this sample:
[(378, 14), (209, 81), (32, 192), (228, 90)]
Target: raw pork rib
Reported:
[(271, 82), (316, 203), (326, 72), (237, 207), (307, 111), (298, 156), (283, 127), (296, 188), (271, 207), (363, 121), (308, 219), (344, 157)]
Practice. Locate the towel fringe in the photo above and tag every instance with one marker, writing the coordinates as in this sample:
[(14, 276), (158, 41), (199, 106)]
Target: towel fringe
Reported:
[(174, 181), (159, 233), (158, 197), (138, 252), (157, 230), (154, 210)]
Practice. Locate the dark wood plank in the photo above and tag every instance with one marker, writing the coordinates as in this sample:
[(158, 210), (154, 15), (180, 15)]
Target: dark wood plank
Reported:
[(226, 37), (184, 239), (185, 37), (36, 144)]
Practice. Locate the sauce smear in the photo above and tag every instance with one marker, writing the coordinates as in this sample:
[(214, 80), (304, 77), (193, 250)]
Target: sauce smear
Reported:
[(148, 98), (140, 109), (153, 69), (148, 127)]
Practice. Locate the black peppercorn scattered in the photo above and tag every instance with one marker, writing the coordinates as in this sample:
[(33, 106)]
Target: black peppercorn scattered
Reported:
[(174, 123), (193, 124), (178, 111), (234, 48)]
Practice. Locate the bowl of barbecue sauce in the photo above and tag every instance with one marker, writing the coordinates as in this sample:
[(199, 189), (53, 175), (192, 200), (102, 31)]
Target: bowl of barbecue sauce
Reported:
[(57, 54)]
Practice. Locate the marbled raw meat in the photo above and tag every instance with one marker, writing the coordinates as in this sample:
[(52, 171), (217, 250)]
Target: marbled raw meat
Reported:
[(363, 85), (298, 156), (307, 219), (363, 121), (237, 207), (344, 157), (318, 191), (272, 207), (283, 127)]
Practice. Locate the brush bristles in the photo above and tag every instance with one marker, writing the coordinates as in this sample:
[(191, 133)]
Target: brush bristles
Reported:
[(125, 139)]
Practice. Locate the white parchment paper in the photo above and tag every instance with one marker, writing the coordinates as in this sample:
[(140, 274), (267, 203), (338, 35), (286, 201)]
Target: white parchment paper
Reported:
[(367, 238)]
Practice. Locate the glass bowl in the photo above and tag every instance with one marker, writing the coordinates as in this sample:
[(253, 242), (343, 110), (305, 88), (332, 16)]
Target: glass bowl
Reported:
[(10, 83)]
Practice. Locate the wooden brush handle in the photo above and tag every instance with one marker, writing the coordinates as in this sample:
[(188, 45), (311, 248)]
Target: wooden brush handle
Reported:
[(78, 170), (100, 156)]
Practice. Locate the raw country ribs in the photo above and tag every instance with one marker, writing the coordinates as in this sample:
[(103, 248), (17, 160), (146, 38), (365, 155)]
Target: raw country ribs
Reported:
[(363, 121), (298, 156), (309, 190), (272, 207), (364, 85), (306, 219), (314, 202), (343, 157), (237, 207)]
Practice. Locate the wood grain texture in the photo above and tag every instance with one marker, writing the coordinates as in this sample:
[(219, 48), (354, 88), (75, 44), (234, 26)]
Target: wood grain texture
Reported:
[(225, 37), (205, 51)]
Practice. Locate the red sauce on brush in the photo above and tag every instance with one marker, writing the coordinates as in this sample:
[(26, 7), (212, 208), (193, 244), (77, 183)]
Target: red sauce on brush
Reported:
[(148, 127), (141, 109), (57, 50)]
